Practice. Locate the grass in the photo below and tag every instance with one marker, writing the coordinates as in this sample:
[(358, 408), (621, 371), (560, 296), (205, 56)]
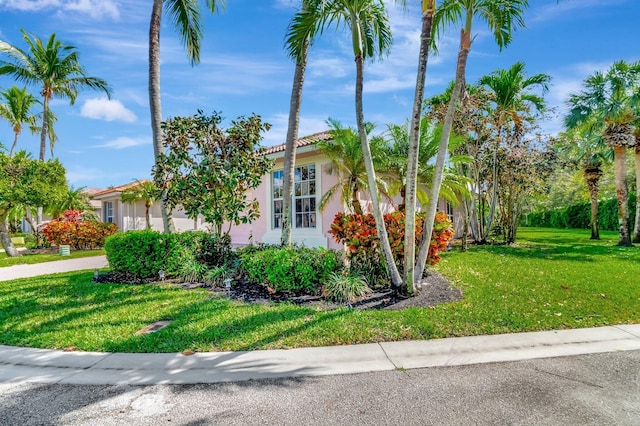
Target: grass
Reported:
[(552, 279), (29, 259)]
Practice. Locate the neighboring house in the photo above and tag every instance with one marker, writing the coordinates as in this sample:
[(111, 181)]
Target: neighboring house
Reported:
[(131, 216), (310, 226)]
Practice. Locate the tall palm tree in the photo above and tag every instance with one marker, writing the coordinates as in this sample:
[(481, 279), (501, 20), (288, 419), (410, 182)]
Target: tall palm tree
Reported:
[(299, 36), (610, 98), (55, 68), (636, 228), (428, 8), (345, 152), (502, 17), (144, 191), (185, 16), (17, 111), (513, 105), (368, 23)]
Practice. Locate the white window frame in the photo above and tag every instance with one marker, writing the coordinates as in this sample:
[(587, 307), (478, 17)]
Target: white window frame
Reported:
[(109, 208), (298, 198)]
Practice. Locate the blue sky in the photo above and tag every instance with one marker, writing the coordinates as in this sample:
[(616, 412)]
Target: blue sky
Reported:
[(244, 68)]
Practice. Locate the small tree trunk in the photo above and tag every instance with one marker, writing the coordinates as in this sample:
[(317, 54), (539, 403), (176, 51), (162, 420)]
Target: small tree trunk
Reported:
[(622, 195), (396, 280), (290, 145), (5, 238), (636, 232), (592, 179), (355, 202), (155, 105), (146, 214), (15, 142)]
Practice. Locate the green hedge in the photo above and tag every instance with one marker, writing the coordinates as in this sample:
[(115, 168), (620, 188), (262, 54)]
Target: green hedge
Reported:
[(294, 269), (579, 216)]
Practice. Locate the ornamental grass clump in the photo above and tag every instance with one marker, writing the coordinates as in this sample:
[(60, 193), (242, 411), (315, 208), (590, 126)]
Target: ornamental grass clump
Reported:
[(346, 288)]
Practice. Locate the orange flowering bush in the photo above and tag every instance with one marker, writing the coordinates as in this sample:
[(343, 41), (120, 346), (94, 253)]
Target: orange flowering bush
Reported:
[(71, 229), (358, 233)]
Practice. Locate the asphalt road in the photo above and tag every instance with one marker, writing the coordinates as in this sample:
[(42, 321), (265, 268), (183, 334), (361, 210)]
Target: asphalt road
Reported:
[(596, 389)]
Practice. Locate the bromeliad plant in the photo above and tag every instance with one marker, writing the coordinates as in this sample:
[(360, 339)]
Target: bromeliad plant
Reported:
[(358, 234)]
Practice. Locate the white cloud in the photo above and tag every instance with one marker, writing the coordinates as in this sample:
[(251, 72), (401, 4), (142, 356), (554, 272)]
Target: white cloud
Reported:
[(97, 9), (108, 110), (124, 142)]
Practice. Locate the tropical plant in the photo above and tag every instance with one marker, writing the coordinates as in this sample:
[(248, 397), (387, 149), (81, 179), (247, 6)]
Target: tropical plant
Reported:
[(636, 228), (514, 104), (17, 111), (55, 67), (610, 98), (368, 25), (185, 16), (143, 191), (344, 149), (345, 287), (502, 17), (74, 199), (395, 169)]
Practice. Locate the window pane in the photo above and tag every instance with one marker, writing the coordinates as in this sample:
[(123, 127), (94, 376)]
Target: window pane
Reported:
[(312, 202), (297, 175), (298, 221), (312, 172), (305, 188), (305, 172), (312, 188), (305, 221), (312, 220), (298, 206), (298, 190)]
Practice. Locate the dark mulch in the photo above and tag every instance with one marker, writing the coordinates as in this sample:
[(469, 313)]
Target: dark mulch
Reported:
[(435, 290)]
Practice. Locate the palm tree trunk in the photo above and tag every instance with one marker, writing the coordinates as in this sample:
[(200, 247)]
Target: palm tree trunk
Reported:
[(15, 142), (355, 202), (154, 102), (636, 232), (396, 280), (45, 124), (592, 176), (147, 218), (290, 145), (463, 54), (414, 151), (622, 195)]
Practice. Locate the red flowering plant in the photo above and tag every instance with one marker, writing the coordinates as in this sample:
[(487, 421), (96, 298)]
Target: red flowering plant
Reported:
[(358, 233), (71, 229)]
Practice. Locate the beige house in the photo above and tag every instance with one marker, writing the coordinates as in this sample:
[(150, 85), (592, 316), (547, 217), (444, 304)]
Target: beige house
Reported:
[(131, 216)]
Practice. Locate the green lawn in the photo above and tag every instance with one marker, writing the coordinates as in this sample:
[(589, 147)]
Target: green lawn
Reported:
[(552, 279), (28, 259)]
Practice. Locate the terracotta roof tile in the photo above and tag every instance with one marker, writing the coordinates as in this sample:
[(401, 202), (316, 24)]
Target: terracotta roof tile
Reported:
[(119, 188), (303, 141)]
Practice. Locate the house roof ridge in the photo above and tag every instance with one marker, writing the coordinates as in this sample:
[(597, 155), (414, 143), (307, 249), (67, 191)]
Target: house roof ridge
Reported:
[(300, 142)]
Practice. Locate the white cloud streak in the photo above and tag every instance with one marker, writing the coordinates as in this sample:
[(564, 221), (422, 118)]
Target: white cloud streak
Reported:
[(97, 9), (107, 110), (124, 142)]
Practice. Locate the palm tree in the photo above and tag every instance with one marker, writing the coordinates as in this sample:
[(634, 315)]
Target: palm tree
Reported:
[(144, 191), (636, 228), (610, 99), (502, 17), (368, 23), (55, 67), (347, 163), (74, 199), (186, 18), (395, 169), (513, 105), (17, 111)]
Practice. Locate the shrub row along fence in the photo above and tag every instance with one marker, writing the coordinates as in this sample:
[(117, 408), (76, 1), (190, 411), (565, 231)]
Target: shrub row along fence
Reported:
[(579, 216)]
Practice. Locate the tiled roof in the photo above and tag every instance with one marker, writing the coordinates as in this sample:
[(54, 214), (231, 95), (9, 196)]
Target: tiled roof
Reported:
[(303, 141), (119, 188)]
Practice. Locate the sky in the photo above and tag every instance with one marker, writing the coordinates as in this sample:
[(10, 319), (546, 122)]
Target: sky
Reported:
[(245, 69)]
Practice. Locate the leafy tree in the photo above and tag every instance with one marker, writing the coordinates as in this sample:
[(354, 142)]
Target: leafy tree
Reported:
[(368, 24), (208, 170), (55, 67), (143, 191), (17, 111), (502, 17), (186, 18), (347, 163), (28, 182), (514, 104), (610, 98)]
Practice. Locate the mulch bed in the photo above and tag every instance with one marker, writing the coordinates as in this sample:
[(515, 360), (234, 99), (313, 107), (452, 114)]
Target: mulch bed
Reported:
[(435, 290)]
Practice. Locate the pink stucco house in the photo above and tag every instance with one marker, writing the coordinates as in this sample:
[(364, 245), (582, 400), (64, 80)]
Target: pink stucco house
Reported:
[(310, 225)]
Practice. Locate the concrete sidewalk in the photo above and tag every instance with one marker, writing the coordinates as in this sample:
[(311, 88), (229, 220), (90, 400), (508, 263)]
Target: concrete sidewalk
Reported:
[(45, 268), (52, 366)]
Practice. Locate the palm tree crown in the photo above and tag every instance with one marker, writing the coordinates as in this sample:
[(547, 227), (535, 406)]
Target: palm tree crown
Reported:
[(54, 67), (17, 111)]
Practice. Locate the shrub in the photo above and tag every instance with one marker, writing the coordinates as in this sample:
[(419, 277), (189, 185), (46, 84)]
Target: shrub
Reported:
[(294, 269), (192, 270), (346, 288), (141, 254), (207, 248), (358, 233), (71, 229)]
